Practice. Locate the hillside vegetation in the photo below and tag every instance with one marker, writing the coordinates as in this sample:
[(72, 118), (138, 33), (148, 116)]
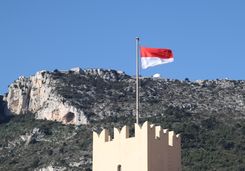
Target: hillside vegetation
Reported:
[(206, 145)]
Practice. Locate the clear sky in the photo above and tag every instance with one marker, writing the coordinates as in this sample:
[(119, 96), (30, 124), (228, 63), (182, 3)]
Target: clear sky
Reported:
[(207, 37)]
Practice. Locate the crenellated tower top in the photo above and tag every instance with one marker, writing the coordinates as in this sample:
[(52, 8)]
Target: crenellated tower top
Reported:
[(152, 148), (156, 133)]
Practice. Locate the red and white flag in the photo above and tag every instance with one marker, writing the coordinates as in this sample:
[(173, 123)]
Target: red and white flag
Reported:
[(155, 56)]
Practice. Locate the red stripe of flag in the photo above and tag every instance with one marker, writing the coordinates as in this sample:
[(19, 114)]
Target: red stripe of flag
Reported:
[(156, 52)]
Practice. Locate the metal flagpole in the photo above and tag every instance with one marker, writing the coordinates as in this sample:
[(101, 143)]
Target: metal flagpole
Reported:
[(137, 79)]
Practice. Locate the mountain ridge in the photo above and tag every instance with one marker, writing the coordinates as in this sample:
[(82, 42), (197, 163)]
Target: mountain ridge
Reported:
[(80, 96)]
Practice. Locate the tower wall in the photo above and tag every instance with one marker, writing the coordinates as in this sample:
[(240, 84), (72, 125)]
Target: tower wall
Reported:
[(164, 150), (152, 149)]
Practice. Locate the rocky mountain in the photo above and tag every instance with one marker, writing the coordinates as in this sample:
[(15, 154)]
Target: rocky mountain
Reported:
[(70, 97), (54, 113), (82, 96)]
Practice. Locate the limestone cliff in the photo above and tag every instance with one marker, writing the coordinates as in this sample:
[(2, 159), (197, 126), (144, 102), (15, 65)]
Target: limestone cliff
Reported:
[(41, 94), (37, 94), (82, 96)]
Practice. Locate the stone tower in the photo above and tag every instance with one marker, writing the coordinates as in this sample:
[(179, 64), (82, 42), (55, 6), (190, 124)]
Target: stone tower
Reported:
[(151, 149)]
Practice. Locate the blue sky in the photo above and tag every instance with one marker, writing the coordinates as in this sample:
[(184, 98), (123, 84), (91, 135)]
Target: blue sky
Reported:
[(207, 37)]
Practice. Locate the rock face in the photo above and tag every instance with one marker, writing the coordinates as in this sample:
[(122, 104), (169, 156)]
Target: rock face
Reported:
[(83, 96), (37, 95), (44, 94)]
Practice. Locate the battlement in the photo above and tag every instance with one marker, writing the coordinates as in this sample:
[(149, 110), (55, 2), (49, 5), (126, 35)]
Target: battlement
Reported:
[(154, 133), (151, 148)]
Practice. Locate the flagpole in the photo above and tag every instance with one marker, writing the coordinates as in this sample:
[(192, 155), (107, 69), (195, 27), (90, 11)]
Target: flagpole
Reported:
[(137, 80)]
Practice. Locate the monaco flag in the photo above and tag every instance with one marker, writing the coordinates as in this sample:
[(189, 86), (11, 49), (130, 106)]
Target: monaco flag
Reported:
[(155, 56)]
